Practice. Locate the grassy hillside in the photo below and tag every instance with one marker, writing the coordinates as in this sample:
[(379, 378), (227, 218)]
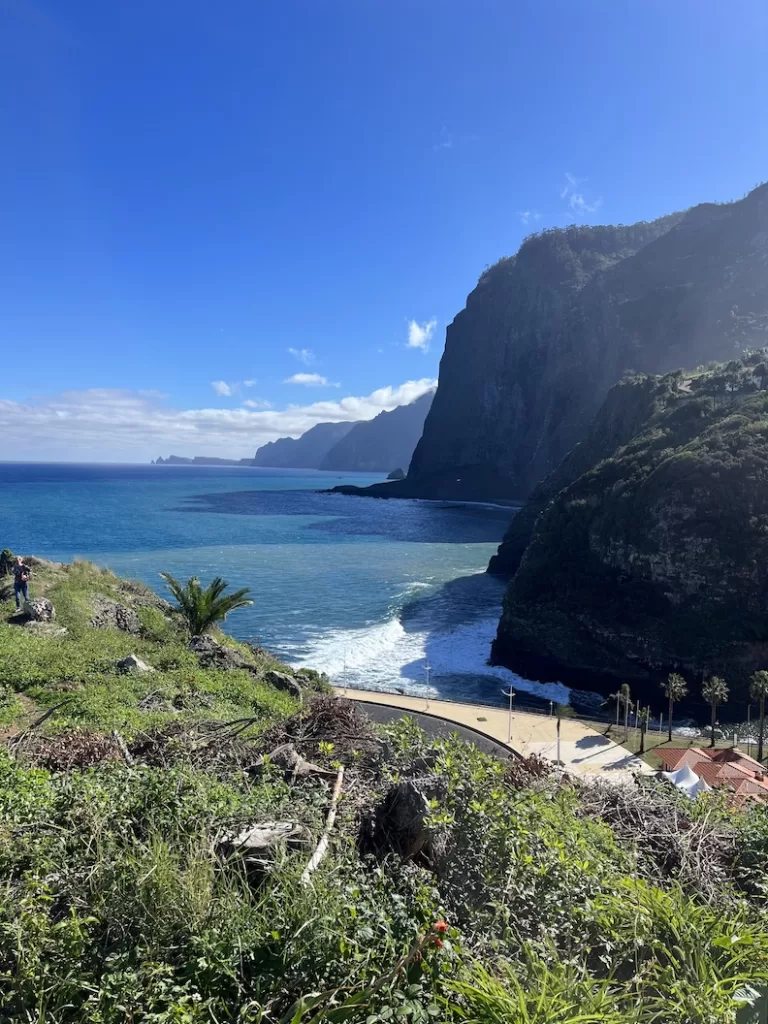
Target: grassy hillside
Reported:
[(74, 665), (456, 887)]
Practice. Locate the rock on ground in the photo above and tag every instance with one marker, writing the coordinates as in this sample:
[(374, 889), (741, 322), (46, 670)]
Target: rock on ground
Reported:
[(293, 764), (39, 609), (257, 845), (108, 614), (212, 654), (282, 681), (132, 663), (45, 628), (400, 822)]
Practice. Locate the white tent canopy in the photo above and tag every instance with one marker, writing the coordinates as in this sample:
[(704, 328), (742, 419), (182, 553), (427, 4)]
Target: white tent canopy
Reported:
[(687, 780)]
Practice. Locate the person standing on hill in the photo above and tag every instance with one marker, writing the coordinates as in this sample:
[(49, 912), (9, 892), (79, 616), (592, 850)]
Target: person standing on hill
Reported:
[(21, 576)]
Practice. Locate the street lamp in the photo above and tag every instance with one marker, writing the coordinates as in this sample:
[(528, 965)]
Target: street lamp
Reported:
[(551, 708), (511, 694)]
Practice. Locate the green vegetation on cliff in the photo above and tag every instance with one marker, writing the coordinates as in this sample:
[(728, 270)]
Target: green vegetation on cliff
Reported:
[(502, 893), (650, 556)]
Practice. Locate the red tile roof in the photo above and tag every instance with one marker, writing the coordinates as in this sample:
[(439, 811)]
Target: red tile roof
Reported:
[(734, 754), (676, 757), (729, 768), (709, 772)]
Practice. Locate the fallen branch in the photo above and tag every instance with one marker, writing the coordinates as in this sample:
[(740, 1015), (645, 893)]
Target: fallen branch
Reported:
[(322, 846), (122, 747), (14, 744)]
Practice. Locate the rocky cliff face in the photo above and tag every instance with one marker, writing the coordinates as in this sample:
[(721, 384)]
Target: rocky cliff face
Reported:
[(654, 558), (305, 452), (382, 444), (547, 332), (628, 407)]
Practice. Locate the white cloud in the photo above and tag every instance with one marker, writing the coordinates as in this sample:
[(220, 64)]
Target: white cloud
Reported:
[(249, 383), (310, 380), (304, 355), (579, 205), (448, 140), (571, 182), (221, 387), (420, 335), (445, 141), (108, 424), (257, 403), (526, 216)]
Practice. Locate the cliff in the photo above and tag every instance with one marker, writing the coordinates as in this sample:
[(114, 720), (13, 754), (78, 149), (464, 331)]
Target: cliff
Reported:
[(547, 332), (654, 558), (629, 405), (305, 452), (382, 444)]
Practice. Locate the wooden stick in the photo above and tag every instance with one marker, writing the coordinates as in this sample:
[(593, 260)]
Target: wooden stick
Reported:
[(122, 747), (322, 846), (15, 742)]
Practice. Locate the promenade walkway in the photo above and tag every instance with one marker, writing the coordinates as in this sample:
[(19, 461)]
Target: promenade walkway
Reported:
[(582, 750)]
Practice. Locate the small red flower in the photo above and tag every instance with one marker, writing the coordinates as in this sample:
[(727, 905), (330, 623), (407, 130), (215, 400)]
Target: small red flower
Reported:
[(438, 942), (440, 926)]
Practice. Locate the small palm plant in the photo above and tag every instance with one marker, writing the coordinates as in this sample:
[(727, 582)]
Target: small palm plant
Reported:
[(714, 691), (758, 690), (675, 688), (203, 608)]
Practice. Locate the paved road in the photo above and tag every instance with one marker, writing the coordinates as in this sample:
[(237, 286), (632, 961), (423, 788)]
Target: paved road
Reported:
[(583, 750)]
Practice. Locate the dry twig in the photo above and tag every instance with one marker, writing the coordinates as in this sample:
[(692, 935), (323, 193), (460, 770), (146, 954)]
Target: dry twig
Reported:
[(322, 846)]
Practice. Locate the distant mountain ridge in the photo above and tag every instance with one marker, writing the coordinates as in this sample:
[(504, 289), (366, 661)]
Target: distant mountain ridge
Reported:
[(305, 452), (383, 444), (199, 460)]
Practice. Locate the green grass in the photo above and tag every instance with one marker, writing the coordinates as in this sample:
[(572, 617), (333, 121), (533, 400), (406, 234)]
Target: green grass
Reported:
[(118, 905), (114, 906), (79, 667)]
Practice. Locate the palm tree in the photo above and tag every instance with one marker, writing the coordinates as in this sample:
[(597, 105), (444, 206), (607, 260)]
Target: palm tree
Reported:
[(758, 690), (645, 715), (203, 608), (624, 698), (714, 691), (675, 688), (617, 697)]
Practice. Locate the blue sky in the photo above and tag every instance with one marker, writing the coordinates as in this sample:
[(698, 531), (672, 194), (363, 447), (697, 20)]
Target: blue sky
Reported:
[(202, 200)]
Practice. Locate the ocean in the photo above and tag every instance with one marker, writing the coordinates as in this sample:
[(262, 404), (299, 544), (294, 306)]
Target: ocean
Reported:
[(381, 595)]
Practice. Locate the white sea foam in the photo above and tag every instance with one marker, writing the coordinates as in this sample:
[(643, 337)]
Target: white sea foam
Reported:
[(388, 656)]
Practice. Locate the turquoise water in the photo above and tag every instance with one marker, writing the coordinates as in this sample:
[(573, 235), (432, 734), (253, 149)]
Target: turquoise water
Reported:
[(379, 594)]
